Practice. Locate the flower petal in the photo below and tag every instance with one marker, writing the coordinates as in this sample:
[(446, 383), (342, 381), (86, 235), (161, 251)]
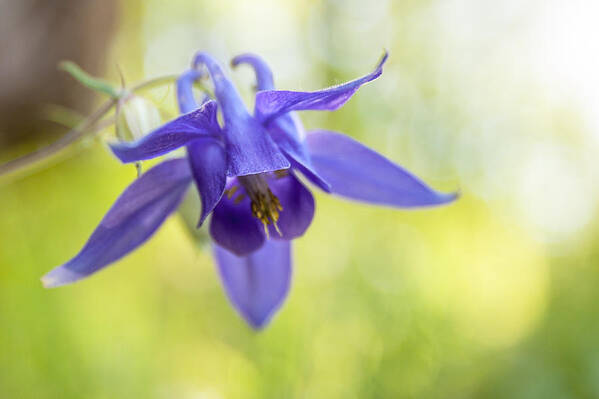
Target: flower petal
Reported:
[(199, 123), (312, 175), (256, 284), (271, 104), (357, 172), (287, 131), (208, 163), (133, 218), (264, 79), (185, 97), (250, 150), (207, 157), (233, 226), (298, 207)]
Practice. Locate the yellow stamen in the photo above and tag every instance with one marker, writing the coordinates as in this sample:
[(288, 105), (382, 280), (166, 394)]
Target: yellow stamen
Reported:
[(231, 192), (277, 229), (239, 198), (281, 173), (265, 206)]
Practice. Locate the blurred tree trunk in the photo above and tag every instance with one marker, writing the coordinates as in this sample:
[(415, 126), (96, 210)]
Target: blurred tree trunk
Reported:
[(35, 35)]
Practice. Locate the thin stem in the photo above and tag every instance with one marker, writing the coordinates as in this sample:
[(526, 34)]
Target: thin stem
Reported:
[(70, 137), (159, 81), (79, 131)]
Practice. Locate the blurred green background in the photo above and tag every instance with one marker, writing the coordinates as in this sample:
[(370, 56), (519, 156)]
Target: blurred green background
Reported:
[(494, 296)]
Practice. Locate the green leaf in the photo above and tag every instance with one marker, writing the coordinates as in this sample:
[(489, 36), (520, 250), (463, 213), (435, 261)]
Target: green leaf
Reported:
[(89, 81)]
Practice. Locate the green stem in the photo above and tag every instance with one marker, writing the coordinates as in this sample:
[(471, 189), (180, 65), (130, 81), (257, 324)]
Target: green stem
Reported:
[(80, 130)]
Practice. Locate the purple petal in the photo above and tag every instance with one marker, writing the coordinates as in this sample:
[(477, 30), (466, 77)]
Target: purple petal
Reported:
[(250, 150), (256, 284), (264, 80), (175, 134), (273, 103), (233, 226), (133, 218), (312, 175), (287, 131), (185, 97), (357, 172), (298, 207), (207, 157), (208, 163)]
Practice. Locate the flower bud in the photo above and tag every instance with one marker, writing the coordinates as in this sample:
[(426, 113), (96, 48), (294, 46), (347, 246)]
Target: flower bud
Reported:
[(137, 117)]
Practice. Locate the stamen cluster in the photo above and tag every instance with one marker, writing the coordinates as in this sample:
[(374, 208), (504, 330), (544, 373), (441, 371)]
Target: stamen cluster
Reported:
[(265, 206)]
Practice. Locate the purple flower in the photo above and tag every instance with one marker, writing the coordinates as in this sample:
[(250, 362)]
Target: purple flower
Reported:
[(245, 172)]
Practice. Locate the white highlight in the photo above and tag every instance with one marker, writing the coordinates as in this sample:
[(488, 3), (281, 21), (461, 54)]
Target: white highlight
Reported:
[(554, 191)]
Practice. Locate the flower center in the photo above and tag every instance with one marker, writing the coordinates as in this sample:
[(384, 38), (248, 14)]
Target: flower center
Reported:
[(265, 205)]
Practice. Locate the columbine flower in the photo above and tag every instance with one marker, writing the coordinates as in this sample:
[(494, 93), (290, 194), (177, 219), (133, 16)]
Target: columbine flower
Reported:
[(245, 172)]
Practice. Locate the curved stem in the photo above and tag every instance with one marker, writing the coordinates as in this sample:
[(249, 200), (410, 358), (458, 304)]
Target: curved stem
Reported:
[(78, 131), (70, 137), (159, 81)]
